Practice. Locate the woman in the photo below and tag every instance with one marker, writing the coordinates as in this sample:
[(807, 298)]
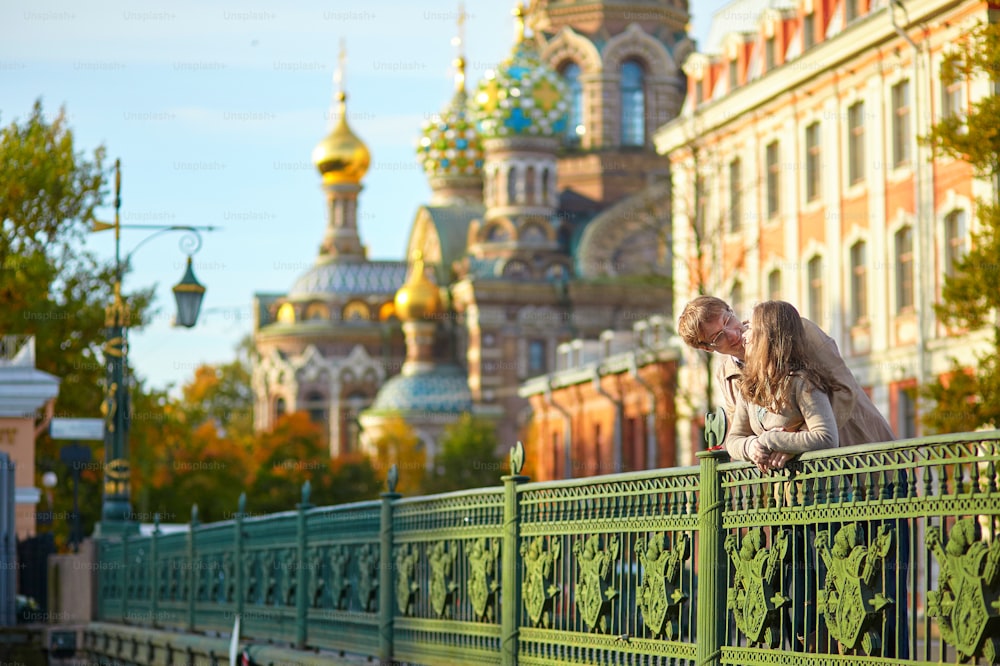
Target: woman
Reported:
[(784, 405)]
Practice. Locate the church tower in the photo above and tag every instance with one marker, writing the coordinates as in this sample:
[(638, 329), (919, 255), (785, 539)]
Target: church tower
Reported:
[(328, 344), (621, 60), (342, 159)]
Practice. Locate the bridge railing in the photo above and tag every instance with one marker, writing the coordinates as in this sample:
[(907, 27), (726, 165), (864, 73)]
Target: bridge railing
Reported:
[(883, 553)]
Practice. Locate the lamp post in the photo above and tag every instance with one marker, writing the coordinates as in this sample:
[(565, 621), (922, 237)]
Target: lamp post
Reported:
[(116, 508)]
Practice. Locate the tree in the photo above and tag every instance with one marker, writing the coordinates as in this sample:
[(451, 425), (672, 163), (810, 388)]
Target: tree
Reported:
[(223, 394), (398, 445), (468, 457), (284, 459), (354, 479), (50, 288), (200, 467), (966, 398)]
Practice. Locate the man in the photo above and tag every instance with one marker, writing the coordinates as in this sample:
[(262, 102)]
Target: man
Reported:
[(709, 323)]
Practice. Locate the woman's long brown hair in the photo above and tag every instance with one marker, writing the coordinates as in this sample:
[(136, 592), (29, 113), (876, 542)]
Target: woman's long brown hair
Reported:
[(777, 351)]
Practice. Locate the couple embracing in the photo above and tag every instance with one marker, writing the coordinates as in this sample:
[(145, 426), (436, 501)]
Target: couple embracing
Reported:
[(786, 388)]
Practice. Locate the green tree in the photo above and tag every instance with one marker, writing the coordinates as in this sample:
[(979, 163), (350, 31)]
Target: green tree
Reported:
[(969, 398), (467, 458), (223, 394), (50, 287), (354, 479)]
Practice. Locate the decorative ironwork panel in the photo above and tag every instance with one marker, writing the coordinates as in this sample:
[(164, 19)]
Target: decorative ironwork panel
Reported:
[(868, 572), (446, 567), (607, 568)]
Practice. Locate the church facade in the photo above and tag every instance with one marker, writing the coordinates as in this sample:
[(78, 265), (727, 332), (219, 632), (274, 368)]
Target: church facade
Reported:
[(548, 222)]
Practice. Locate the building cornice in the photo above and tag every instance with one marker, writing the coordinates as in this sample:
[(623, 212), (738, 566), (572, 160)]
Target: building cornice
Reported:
[(828, 58)]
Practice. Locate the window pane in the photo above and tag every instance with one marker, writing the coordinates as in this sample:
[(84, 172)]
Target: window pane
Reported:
[(574, 128), (901, 123), (954, 241), (856, 142), (773, 179), (904, 269), (812, 161), (774, 285), (734, 195), (633, 105), (815, 273), (859, 283)]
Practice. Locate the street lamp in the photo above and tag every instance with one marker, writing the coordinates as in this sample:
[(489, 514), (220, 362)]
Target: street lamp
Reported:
[(116, 509)]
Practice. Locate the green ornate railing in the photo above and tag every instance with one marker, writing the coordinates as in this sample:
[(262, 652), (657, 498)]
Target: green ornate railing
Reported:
[(884, 553)]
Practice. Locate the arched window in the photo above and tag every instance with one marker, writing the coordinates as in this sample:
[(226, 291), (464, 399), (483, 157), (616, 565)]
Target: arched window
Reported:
[(315, 311), (511, 186), (633, 104), (316, 406), (286, 314), (574, 126), (529, 185), (546, 186)]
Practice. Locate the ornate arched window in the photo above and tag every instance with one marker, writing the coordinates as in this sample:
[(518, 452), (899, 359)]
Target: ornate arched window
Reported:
[(633, 104), (574, 125), (286, 314), (316, 406)]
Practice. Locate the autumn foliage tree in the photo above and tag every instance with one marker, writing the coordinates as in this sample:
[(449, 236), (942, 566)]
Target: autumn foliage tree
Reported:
[(398, 445), (968, 398)]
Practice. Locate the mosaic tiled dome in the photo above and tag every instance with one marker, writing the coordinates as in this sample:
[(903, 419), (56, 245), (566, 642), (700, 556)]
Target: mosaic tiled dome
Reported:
[(443, 390), (450, 144), (523, 96)]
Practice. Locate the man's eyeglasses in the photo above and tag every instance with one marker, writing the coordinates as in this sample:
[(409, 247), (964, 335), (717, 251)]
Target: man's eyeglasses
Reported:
[(714, 342)]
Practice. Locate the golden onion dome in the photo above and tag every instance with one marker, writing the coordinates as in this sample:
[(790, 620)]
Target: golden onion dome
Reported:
[(418, 298), (341, 156)]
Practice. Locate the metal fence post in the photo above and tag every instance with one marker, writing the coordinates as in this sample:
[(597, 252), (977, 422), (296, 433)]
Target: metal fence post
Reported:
[(121, 577), (238, 552), (301, 593), (712, 567), (510, 577), (386, 611), (154, 572), (192, 575)]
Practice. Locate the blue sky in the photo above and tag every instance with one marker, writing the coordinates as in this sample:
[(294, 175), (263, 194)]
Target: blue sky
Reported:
[(214, 108)]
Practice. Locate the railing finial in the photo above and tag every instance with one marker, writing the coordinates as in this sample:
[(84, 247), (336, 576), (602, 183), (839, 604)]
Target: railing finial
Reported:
[(516, 458), (392, 478)]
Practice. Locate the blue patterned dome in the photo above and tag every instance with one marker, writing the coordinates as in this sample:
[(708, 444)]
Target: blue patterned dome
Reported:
[(450, 145), (441, 390), (521, 97)]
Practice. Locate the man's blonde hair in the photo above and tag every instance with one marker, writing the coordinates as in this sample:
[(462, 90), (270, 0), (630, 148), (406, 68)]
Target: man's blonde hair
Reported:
[(701, 310)]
